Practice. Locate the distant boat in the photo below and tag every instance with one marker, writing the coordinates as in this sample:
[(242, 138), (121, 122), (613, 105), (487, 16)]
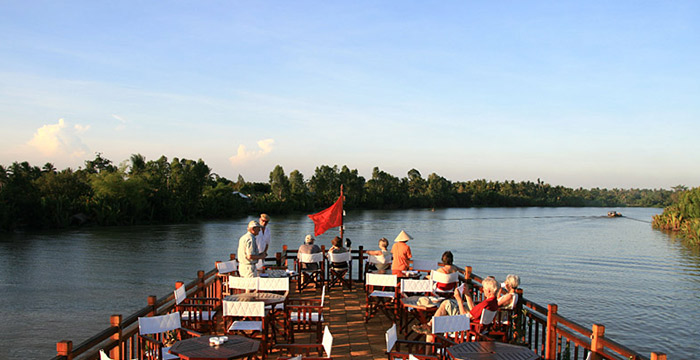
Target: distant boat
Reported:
[(614, 214)]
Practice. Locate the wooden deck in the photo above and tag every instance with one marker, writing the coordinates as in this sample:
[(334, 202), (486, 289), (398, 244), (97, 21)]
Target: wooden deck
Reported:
[(344, 314)]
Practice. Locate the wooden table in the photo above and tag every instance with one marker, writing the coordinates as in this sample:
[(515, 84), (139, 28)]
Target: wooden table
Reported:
[(490, 350), (198, 348), (421, 313), (267, 298)]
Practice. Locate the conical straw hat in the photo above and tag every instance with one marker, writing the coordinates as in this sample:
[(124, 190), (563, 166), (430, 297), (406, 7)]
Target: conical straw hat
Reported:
[(403, 237)]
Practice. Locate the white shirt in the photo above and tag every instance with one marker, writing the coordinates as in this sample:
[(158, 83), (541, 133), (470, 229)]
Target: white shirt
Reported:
[(263, 239)]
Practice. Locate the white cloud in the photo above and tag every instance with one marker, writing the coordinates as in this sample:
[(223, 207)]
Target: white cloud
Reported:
[(60, 140), (244, 155)]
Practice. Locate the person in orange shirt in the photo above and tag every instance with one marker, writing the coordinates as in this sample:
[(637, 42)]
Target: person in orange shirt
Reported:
[(401, 253)]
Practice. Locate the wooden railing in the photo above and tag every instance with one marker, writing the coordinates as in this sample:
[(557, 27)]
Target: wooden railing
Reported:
[(547, 333)]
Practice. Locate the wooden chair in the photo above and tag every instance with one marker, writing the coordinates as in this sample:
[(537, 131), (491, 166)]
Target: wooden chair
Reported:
[(423, 265), (311, 269), (412, 287), (239, 285), (413, 348), (277, 316), (480, 330), (305, 350), (381, 295), (248, 318), (225, 269), (338, 275), (197, 313), (304, 315), (450, 281), (374, 260), (456, 328), (158, 333)]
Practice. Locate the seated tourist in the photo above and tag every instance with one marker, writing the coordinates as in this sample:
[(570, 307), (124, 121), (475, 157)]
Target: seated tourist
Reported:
[(447, 268), (337, 248), (509, 286), (308, 247), (456, 306), (383, 254)]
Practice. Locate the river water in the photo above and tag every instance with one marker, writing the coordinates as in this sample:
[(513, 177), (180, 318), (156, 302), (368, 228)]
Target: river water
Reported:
[(642, 284)]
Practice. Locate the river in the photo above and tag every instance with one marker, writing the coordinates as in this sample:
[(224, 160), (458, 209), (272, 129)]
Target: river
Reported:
[(642, 284)]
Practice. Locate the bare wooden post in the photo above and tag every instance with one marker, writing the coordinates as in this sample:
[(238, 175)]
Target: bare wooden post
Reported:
[(152, 300), (201, 290), (116, 320), (278, 259), (360, 264), (550, 352), (232, 256), (284, 252), (597, 341), (658, 356), (219, 283), (65, 348)]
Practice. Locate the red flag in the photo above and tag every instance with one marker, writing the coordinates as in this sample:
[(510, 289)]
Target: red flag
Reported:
[(326, 219)]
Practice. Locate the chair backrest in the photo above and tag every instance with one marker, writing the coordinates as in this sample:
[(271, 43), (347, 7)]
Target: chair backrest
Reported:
[(327, 341), (416, 286), (424, 265), (379, 259), (104, 356), (159, 324), (381, 280), (390, 338), (243, 308), (448, 324), (273, 284), (439, 277), (226, 267), (311, 258), (487, 317), (340, 257), (241, 283), (180, 294)]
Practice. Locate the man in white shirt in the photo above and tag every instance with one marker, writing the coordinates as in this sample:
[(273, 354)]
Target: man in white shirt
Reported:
[(263, 238)]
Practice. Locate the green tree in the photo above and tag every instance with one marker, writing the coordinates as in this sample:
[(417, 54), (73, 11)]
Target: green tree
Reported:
[(279, 183)]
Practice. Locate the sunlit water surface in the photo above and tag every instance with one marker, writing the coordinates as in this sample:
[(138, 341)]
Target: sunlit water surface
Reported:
[(642, 284)]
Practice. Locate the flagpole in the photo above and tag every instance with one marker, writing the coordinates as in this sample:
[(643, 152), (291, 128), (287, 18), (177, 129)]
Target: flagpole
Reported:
[(342, 213)]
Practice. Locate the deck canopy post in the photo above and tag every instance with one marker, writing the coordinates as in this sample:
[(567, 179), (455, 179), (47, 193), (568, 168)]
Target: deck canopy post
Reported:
[(550, 352), (116, 320), (597, 341)]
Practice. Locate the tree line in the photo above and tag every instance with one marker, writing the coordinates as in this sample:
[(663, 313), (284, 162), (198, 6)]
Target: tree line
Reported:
[(682, 216), (181, 190)]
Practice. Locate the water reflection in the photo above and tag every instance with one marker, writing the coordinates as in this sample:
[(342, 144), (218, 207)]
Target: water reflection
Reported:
[(66, 284)]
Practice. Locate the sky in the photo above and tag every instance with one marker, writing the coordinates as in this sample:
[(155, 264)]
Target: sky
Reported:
[(575, 93)]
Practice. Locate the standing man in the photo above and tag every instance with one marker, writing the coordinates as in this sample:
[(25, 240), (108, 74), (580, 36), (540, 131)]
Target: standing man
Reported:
[(401, 253), (248, 253), (264, 238)]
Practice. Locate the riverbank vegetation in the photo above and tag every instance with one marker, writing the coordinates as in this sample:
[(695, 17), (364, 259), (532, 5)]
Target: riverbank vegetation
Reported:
[(683, 216), (180, 190)]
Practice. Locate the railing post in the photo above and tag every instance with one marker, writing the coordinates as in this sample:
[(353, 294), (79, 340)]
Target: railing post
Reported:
[(550, 352), (658, 356), (597, 341), (152, 300), (219, 283), (232, 256), (284, 252), (360, 264), (201, 289), (116, 320), (65, 348)]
